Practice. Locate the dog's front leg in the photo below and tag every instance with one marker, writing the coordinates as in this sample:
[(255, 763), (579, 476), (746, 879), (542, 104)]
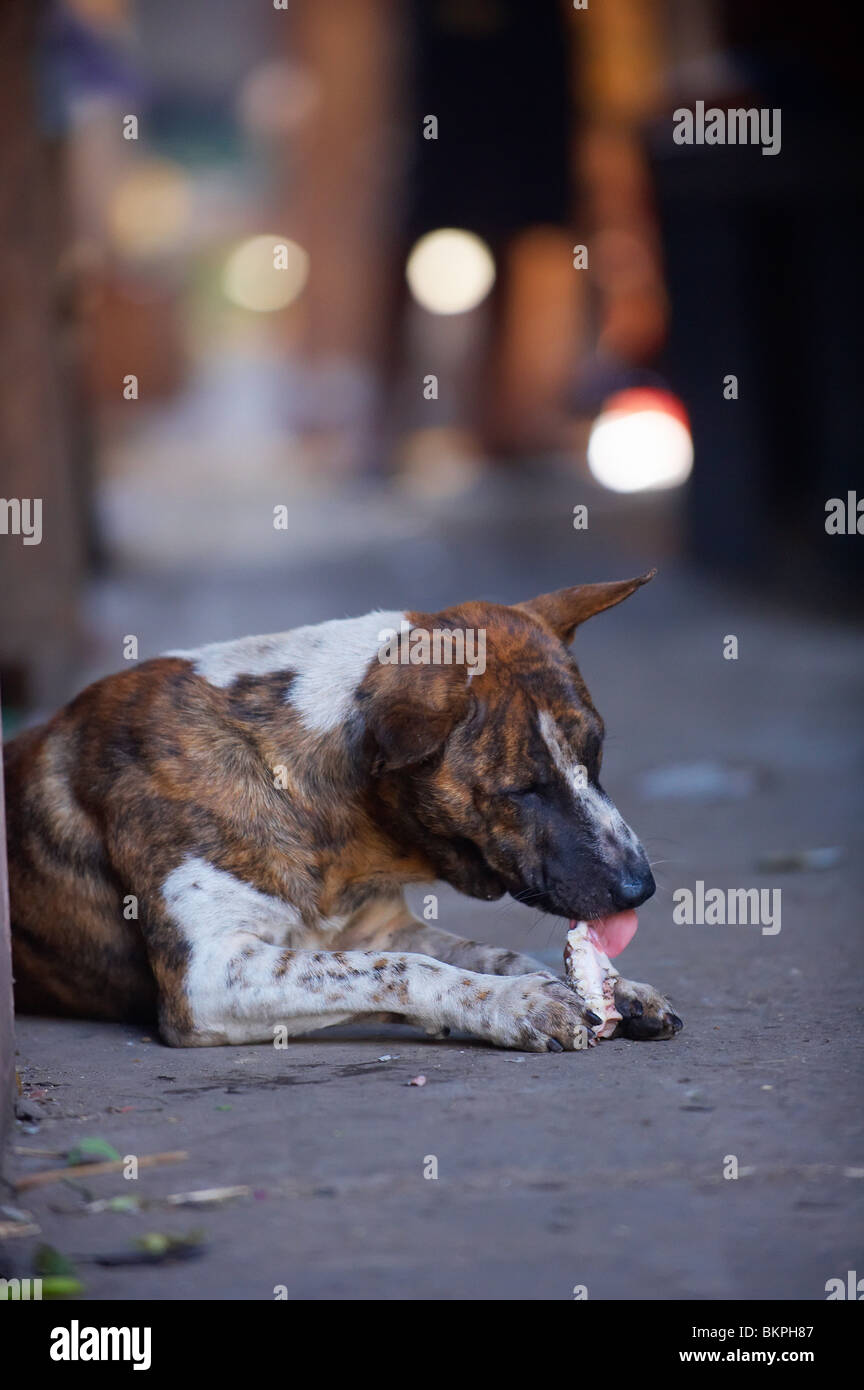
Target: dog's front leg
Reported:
[(239, 988), (645, 1014), (396, 929), (468, 955), (392, 927)]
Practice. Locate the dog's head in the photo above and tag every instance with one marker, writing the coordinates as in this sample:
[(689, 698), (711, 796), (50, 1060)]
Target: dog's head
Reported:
[(489, 765)]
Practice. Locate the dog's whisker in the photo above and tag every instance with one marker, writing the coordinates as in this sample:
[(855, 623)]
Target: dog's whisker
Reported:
[(527, 895)]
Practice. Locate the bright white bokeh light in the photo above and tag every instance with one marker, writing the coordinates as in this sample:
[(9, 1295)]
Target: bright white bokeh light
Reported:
[(638, 450), (450, 271), (265, 273)]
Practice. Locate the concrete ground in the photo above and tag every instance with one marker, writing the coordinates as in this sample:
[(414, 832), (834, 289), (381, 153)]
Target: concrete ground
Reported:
[(602, 1169)]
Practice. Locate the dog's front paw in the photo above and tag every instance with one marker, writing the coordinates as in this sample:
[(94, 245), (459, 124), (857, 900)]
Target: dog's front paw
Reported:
[(537, 1013), (644, 1013)]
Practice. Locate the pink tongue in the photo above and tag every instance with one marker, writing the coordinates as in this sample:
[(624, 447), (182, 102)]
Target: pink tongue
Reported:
[(613, 933)]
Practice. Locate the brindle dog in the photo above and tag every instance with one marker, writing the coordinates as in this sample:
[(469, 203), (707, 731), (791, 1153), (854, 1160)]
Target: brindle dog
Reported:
[(219, 839)]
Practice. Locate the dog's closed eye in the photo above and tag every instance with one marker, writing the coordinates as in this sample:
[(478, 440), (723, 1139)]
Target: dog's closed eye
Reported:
[(530, 789)]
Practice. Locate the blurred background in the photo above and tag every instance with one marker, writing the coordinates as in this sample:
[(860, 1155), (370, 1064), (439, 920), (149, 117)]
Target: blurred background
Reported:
[(308, 307)]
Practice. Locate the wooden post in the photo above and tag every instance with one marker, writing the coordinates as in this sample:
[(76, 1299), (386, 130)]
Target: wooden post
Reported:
[(38, 582), (7, 1048)]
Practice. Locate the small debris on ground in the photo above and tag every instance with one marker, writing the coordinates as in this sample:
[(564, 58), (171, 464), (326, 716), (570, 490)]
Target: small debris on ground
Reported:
[(206, 1196), (90, 1170), (15, 1230), (28, 1110), (156, 1248), (122, 1204), (17, 1214), (57, 1272)]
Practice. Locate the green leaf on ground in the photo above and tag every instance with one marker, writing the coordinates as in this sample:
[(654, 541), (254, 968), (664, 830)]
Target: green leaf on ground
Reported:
[(47, 1261), (91, 1151)]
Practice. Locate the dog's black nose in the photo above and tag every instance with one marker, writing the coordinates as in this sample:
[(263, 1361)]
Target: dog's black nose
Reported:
[(633, 889)]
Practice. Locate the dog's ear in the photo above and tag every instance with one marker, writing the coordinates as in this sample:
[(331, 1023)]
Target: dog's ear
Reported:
[(410, 711), (565, 609)]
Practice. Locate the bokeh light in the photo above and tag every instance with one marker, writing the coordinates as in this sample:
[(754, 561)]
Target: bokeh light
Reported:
[(450, 271), (265, 273), (148, 211), (277, 97), (641, 440)]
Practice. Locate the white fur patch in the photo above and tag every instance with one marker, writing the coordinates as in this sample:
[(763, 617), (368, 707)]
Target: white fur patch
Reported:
[(220, 916), (570, 768), (605, 818), (208, 902), (330, 660)]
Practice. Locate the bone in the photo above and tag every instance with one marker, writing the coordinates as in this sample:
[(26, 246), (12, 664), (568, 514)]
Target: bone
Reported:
[(592, 975)]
